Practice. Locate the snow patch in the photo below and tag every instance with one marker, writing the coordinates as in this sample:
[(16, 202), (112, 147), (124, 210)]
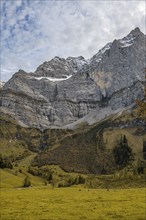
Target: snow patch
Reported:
[(52, 79), (127, 41), (138, 77), (99, 55), (80, 63), (107, 47)]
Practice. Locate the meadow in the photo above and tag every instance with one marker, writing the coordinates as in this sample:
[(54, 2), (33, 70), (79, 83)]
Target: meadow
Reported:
[(72, 203)]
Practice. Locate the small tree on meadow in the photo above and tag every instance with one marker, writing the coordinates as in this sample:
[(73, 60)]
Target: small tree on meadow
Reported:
[(27, 182)]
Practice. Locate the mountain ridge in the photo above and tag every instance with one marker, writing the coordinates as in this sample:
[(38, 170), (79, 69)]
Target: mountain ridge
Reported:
[(62, 91)]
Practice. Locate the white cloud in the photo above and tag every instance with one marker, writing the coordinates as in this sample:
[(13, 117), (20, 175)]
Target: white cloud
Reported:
[(35, 31)]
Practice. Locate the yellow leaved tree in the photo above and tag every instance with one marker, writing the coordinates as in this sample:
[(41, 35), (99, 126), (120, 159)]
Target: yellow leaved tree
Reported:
[(141, 106)]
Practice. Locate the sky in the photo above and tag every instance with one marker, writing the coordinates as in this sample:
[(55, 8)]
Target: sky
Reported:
[(35, 31)]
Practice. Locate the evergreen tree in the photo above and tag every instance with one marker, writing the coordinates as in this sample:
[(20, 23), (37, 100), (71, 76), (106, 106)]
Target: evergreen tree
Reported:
[(5, 162), (122, 152), (144, 149)]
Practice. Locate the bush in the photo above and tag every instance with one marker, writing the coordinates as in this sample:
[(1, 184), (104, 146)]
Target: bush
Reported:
[(72, 181), (46, 183), (50, 177), (140, 170), (5, 162), (44, 172), (79, 180), (27, 182)]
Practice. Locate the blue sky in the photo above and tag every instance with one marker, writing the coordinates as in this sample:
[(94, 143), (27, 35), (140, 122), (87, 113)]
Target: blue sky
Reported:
[(34, 31)]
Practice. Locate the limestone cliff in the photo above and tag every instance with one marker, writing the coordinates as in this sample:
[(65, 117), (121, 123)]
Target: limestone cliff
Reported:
[(62, 91)]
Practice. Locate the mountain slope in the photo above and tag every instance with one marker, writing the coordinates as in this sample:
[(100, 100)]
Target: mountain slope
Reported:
[(86, 149), (61, 91), (89, 149)]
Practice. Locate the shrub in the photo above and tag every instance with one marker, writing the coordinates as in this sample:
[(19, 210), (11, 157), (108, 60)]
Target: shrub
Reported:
[(72, 181), (45, 172), (79, 180), (140, 170), (27, 182), (5, 162), (50, 177)]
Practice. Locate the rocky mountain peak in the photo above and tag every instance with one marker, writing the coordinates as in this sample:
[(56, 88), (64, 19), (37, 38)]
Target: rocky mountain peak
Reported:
[(62, 91), (136, 32), (60, 67), (131, 38)]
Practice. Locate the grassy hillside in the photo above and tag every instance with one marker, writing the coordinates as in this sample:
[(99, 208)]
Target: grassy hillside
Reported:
[(85, 150), (15, 178), (18, 142), (88, 150), (136, 141)]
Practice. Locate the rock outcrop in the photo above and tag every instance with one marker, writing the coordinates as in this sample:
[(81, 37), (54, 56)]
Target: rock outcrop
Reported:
[(63, 91)]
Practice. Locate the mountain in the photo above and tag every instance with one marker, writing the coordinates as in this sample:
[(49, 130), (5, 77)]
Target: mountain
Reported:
[(62, 91)]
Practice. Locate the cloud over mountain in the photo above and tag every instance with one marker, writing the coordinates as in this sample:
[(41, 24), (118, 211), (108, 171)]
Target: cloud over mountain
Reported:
[(35, 31)]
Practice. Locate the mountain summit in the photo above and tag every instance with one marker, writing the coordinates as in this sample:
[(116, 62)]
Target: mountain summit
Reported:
[(62, 91)]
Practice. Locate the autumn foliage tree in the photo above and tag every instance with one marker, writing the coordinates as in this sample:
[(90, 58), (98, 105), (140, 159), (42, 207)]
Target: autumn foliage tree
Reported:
[(141, 113), (141, 106)]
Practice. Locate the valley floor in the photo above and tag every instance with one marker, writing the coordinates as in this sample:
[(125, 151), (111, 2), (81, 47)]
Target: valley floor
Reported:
[(43, 203)]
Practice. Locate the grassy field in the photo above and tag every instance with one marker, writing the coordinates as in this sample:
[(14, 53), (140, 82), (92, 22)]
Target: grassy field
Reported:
[(78, 202), (72, 204)]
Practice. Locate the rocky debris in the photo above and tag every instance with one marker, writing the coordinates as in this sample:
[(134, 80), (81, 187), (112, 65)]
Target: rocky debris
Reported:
[(62, 91)]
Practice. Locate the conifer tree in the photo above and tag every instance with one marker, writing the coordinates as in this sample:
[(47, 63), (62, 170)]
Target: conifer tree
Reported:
[(122, 152)]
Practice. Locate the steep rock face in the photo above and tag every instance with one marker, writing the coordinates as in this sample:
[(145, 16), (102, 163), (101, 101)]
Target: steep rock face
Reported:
[(121, 63), (62, 91), (60, 68)]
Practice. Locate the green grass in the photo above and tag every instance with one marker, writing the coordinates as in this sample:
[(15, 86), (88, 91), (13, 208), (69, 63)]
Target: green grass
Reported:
[(72, 204), (14, 179), (27, 160)]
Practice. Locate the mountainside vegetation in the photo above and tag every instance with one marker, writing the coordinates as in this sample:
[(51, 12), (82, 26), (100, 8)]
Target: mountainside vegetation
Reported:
[(141, 105), (114, 148), (88, 150)]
